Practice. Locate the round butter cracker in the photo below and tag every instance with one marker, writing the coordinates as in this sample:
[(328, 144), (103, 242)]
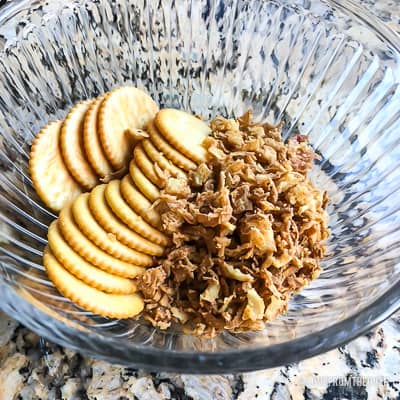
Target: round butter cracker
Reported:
[(91, 141), (89, 298), (129, 217), (144, 184), (139, 203), (170, 152), (123, 113), (148, 167), (184, 131), (79, 267), (107, 219), (72, 148), (106, 241), (90, 252), (50, 176), (159, 159)]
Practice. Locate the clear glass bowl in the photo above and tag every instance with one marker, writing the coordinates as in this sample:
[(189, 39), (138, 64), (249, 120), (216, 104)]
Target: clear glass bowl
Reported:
[(328, 69)]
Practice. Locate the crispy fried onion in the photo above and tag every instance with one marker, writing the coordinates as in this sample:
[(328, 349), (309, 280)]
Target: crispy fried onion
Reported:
[(247, 227)]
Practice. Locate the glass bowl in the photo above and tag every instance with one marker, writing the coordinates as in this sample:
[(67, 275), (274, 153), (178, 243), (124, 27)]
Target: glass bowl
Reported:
[(328, 69)]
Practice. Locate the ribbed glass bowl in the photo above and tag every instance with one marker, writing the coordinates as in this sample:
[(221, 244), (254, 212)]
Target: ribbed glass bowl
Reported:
[(330, 72)]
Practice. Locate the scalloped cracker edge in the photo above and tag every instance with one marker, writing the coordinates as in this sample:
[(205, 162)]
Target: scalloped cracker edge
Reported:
[(89, 298), (50, 176)]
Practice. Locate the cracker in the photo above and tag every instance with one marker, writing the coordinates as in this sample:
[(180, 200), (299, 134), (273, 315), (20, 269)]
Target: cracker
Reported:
[(129, 217), (164, 147), (122, 115), (91, 141), (147, 166), (140, 204), (89, 298), (72, 150), (107, 219), (143, 183), (106, 241), (79, 267), (90, 252), (159, 159), (184, 131), (50, 176)]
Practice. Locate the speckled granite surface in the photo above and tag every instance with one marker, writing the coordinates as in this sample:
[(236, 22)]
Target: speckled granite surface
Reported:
[(367, 368)]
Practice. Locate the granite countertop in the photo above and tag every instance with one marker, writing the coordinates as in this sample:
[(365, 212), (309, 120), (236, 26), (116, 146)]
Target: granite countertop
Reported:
[(366, 368)]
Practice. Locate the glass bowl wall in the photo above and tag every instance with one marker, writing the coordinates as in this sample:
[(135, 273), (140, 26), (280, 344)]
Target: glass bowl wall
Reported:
[(331, 73)]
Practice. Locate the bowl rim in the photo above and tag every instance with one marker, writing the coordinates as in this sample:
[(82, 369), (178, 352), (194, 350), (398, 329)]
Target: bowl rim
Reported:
[(369, 19), (230, 361)]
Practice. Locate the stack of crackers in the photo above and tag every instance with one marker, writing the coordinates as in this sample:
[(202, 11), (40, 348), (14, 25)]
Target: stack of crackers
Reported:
[(108, 231)]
